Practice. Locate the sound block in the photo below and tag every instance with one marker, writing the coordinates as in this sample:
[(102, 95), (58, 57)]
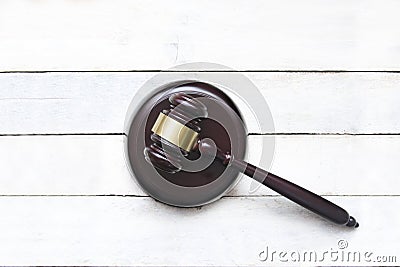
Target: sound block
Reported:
[(224, 126)]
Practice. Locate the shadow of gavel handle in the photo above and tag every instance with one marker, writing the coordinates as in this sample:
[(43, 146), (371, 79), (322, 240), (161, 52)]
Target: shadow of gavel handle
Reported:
[(297, 194)]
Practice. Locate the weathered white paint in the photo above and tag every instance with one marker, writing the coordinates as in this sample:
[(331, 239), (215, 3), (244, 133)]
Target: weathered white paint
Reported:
[(95, 165), (299, 102), (140, 231), (126, 35)]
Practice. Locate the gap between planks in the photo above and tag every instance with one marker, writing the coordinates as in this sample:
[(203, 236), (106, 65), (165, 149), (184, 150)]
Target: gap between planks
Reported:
[(227, 196), (222, 71), (249, 134)]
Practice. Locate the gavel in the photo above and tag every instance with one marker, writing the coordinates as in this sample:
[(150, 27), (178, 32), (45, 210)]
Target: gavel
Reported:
[(175, 134)]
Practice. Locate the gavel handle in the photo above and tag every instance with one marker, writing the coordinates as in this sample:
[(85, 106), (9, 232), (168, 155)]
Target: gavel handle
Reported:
[(300, 195)]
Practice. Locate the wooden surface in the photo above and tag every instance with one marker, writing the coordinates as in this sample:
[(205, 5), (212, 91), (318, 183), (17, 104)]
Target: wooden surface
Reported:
[(137, 35), (329, 72), (95, 165), (130, 230), (353, 103)]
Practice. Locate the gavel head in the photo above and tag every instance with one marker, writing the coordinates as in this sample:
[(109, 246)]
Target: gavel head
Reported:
[(175, 132)]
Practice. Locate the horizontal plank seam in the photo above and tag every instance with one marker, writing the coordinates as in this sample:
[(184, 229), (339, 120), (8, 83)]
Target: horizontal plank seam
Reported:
[(352, 134), (241, 196), (61, 134), (159, 70), (117, 265), (249, 134)]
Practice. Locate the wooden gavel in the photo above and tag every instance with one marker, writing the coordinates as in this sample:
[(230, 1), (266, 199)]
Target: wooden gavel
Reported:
[(175, 134)]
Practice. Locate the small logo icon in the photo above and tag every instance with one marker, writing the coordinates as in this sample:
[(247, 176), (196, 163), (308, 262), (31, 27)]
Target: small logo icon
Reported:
[(342, 244)]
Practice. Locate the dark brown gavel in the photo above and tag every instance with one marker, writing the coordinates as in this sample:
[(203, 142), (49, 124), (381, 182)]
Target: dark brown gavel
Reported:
[(175, 134)]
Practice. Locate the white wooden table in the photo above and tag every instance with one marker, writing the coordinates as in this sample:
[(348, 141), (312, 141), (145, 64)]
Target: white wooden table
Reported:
[(328, 70)]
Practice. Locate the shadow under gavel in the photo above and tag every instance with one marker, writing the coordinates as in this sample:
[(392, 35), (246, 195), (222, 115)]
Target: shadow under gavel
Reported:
[(175, 134)]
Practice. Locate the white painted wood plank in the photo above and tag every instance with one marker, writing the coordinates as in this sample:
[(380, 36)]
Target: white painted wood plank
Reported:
[(126, 35), (66, 165), (140, 231), (299, 102), (95, 165)]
